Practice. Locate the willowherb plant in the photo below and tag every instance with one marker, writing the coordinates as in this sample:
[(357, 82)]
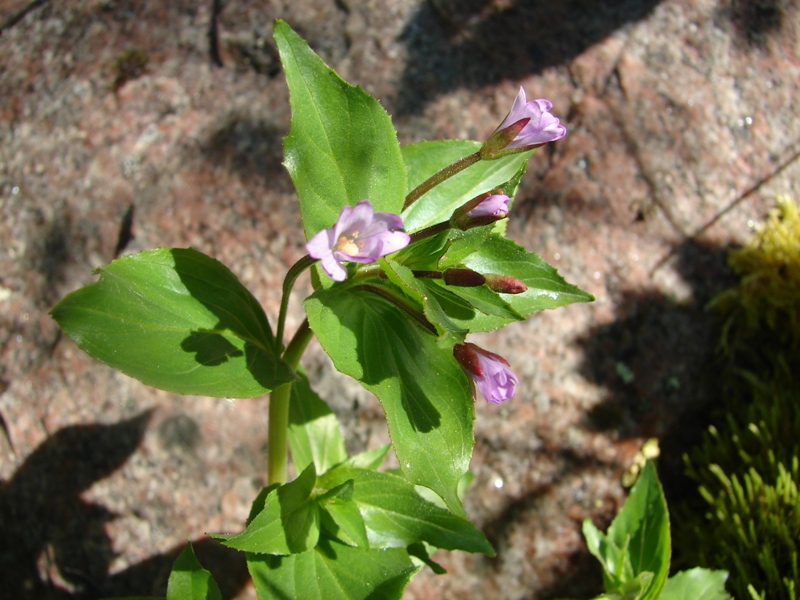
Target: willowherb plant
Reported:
[(408, 256)]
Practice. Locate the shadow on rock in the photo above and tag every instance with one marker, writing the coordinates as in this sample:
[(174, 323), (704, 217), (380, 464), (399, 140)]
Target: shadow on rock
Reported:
[(53, 543), (453, 44), (755, 21), (250, 148), (657, 353), (657, 361)]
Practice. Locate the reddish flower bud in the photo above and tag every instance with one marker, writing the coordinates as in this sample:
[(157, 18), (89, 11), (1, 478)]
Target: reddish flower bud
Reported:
[(504, 284), (463, 278)]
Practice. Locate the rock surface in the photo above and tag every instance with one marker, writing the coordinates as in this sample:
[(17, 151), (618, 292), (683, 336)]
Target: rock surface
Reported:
[(128, 125)]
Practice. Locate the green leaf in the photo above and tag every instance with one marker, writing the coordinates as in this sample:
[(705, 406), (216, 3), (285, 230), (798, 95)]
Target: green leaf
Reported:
[(424, 392), (630, 590), (426, 158), (189, 581), (345, 518), (178, 320), (449, 333), (616, 569), (423, 553), (638, 539), (696, 583), (258, 504), (546, 288), (342, 146), (332, 571), (369, 459), (396, 516), (288, 523), (313, 434)]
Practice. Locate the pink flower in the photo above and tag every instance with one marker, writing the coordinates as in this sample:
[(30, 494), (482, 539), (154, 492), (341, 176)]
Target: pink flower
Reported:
[(542, 126), (527, 126), (495, 206), (490, 372), (359, 235)]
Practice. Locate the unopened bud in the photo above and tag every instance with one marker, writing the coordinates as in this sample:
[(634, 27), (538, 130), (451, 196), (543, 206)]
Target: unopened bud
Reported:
[(463, 278), (501, 138), (481, 210), (504, 284)]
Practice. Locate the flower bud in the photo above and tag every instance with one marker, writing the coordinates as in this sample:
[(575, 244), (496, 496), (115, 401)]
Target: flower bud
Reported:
[(481, 210), (504, 284), (489, 371), (463, 278)]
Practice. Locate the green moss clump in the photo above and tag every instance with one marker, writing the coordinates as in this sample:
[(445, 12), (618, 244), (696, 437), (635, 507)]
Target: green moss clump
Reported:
[(762, 313), (748, 470), (749, 475), (130, 64)]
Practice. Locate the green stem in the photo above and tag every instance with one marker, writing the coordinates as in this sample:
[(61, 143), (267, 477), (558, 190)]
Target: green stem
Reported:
[(279, 409), (439, 177), (288, 282)]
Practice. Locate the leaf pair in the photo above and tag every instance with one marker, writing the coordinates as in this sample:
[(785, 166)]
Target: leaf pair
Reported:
[(353, 528), (635, 551)]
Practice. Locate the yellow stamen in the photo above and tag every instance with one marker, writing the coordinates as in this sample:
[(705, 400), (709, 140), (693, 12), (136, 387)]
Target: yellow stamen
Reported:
[(348, 245)]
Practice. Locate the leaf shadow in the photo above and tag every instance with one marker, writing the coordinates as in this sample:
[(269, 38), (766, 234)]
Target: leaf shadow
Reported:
[(237, 311), (473, 44), (422, 415), (210, 348), (658, 363), (53, 543), (250, 147), (44, 518)]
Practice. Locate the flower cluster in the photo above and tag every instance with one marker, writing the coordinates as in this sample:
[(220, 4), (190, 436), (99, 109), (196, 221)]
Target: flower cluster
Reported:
[(362, 235)]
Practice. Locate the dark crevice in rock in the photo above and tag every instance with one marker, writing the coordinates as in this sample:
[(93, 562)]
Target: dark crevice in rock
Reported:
[(21, 14)]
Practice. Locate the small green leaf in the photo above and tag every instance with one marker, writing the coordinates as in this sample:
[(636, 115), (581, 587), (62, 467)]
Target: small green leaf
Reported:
[(288, 523), (397, 516), (697, 583), (616, 570), (638, 539), (630, 590), (461, 244), (423, 553), (645, 522), (510, 189), (332, 571), (346, 519), (258, 504), (189, 581), (426, 158), (313, 434), (424, 392), (178, 320), (449, 333), (546, 288), (369, 459), (342, 146)]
